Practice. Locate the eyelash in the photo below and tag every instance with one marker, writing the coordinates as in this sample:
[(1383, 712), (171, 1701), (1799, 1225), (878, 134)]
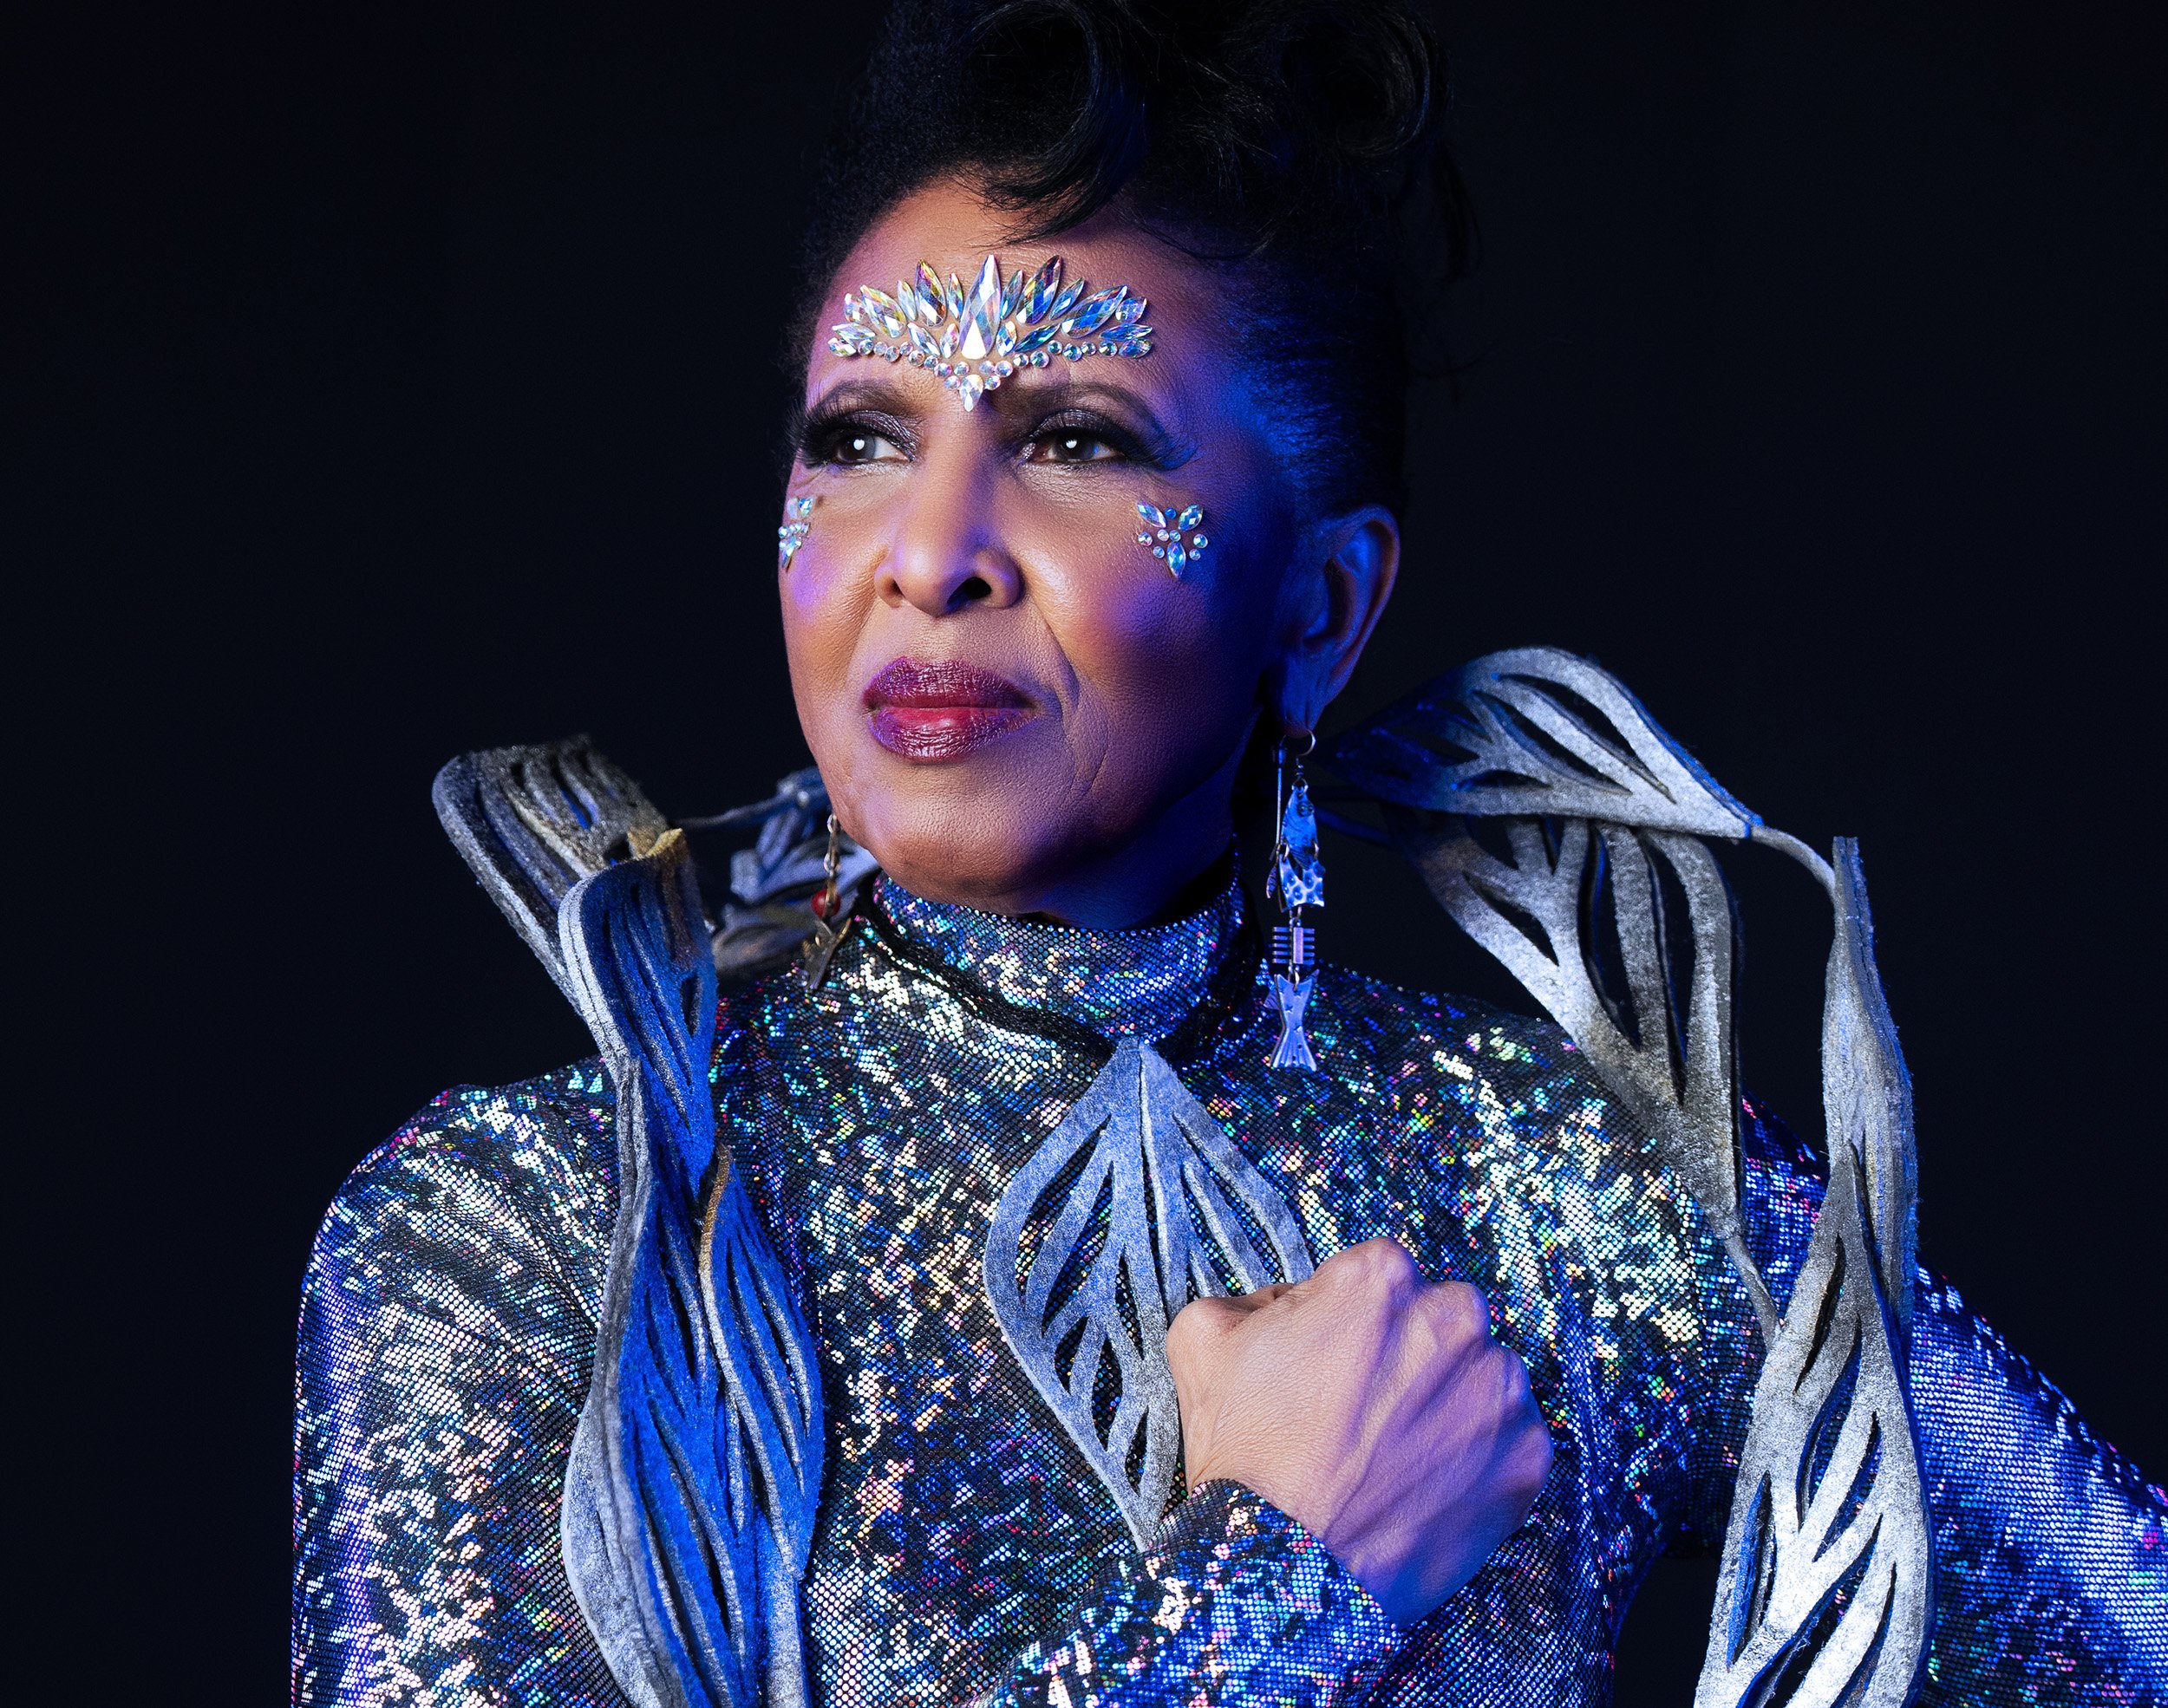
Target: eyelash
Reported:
[(825, 435), (1081, 424)]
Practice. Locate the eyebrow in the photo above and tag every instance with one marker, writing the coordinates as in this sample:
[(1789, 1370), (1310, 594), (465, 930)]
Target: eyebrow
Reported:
[(1093, 389), (911, 405), (857, 394)]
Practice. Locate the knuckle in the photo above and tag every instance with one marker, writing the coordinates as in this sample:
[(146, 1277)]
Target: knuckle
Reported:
[(1198, 1325), (1514, 1378), (1522, 1393), (1531, 1460), (1461, 1308), (1382, 1264), (1346, 1267)]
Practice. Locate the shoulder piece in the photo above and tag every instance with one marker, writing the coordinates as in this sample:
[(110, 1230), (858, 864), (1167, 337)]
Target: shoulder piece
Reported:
[(1563, 831), (531, 822), (690, 1492), (1536, 730)]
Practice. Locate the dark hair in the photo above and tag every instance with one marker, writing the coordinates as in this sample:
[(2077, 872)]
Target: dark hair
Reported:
[(1287, 141)]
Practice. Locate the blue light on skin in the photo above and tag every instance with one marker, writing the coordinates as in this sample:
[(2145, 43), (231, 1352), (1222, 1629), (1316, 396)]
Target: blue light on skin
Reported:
[(1003, 539)]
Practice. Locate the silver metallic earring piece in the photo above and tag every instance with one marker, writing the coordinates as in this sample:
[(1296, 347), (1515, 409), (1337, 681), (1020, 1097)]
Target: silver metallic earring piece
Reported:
[(1297, 880), (1171, 536), (832, 914), (975, 336), (792, 534)]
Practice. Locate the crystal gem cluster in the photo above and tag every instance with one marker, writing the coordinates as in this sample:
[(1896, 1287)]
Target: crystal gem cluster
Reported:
[(976, 337), (1171, 535), (792, 534)]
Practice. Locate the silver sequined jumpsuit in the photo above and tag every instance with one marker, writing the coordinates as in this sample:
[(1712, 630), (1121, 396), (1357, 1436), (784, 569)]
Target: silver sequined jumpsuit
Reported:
[(965, 1552)]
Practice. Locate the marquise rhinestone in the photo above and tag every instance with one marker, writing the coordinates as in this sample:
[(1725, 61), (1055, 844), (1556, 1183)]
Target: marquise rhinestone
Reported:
[(882, 309), (1042, 290)]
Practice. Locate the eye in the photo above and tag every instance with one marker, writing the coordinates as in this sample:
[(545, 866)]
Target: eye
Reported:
[(851, 440), (1074, 445), (850, 446)]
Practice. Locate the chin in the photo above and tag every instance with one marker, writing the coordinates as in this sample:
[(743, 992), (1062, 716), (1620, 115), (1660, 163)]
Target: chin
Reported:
[(978, 867), (985, 832)]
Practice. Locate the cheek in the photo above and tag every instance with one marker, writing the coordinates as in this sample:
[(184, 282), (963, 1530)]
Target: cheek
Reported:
[(822, 614), (1168, 671)]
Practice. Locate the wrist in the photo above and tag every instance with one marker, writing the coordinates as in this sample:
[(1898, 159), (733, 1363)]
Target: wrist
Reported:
[(1230, 1534)]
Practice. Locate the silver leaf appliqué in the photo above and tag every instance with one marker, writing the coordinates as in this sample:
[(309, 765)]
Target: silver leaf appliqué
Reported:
[(1137, 1203)]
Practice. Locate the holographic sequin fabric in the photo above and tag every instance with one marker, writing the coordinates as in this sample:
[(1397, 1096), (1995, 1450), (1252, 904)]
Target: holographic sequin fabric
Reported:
[(1229, 1577), (964, 1551), (447, 1331)]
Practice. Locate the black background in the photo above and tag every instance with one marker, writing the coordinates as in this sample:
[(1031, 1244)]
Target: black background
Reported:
[(403, 386)]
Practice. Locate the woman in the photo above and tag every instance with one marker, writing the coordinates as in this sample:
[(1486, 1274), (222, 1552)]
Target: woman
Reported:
[(822, 1384)]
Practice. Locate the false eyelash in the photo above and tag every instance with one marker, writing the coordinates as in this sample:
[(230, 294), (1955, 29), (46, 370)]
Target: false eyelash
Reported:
[(1130, 447), (825, 428)]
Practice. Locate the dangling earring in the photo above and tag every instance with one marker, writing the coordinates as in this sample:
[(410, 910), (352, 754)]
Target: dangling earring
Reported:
[(792, 534), (1170, 536), (830, 919), (1297, 879)]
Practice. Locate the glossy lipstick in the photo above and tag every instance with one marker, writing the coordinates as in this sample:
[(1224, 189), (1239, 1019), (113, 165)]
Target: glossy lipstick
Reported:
[(942, 710)]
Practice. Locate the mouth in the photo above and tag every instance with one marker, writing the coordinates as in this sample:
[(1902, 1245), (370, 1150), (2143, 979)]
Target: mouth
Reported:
[(942, 710)]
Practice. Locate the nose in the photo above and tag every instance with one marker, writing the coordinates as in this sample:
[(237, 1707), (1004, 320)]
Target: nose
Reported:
[(946, 553)]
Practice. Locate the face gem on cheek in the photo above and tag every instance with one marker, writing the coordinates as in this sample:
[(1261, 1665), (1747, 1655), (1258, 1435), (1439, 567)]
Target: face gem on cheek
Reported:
[(1170, 536)]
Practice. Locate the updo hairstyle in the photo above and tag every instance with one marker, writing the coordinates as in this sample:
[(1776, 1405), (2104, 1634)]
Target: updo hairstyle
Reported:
[(1290, 144)]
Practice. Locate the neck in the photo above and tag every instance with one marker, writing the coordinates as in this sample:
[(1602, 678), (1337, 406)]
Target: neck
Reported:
[(1149, 980), (1145, 882)]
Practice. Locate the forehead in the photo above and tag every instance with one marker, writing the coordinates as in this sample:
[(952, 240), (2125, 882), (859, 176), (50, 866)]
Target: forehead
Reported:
[(947, 228)]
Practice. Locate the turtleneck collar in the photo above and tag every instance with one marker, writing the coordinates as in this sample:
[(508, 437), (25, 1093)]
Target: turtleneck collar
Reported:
[(1116, 982)]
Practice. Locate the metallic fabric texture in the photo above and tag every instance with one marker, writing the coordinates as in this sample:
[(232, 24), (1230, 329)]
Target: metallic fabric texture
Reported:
[(965, 1551)]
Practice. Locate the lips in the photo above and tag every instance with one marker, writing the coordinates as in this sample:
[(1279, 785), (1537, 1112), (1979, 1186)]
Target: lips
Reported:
[(942, 710)]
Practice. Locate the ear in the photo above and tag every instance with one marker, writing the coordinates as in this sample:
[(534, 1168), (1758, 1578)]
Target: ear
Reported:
[(1335, 592)]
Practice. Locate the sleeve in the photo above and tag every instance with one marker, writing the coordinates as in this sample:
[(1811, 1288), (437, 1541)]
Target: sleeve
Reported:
[(1234, 1602), (443, 1344), (2051, 1550)]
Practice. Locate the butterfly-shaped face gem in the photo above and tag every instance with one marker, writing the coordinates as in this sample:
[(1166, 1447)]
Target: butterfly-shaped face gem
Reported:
[(1171, 536)]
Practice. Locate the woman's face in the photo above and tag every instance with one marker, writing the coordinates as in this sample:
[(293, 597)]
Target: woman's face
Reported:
[(1013, 704)]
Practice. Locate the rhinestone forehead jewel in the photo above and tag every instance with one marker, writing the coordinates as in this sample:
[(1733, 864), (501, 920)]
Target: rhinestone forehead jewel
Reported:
[(975, 338)]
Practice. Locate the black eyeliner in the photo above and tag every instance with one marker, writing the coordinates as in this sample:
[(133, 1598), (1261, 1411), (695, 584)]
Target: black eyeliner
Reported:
[(1133, 446), (830, 420)]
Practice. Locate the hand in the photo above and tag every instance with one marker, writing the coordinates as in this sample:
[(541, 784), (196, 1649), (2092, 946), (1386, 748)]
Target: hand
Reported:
[(1372, 1408)]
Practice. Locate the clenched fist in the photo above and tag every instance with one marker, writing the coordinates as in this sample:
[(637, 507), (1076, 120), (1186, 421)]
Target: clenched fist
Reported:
[(1372, 1407)]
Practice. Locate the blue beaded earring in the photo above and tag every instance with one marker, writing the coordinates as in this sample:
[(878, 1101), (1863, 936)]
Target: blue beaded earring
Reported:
[(1297, 881)]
